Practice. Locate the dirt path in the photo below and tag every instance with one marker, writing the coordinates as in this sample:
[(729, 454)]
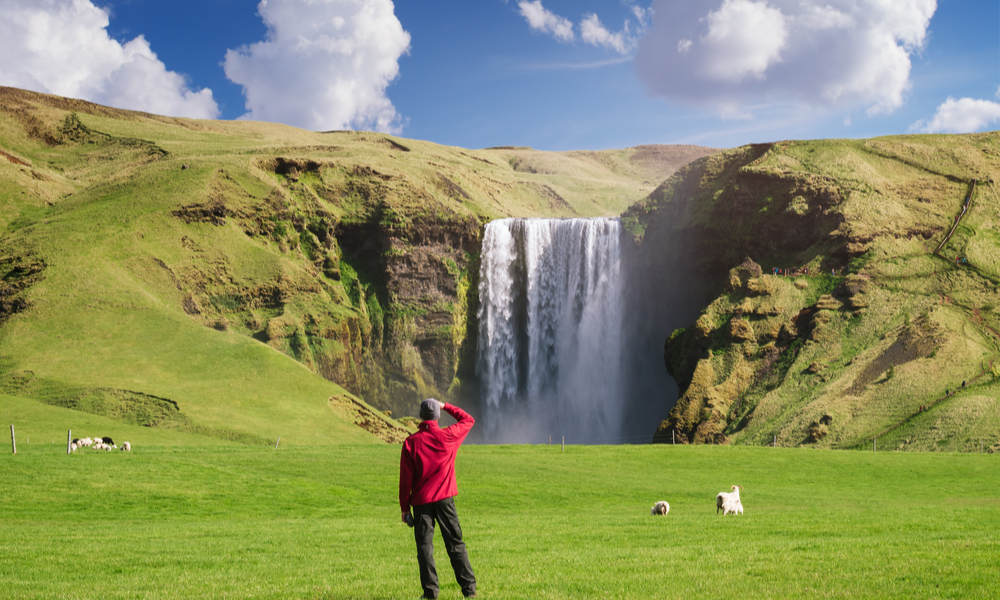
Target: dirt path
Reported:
[(965, 209)]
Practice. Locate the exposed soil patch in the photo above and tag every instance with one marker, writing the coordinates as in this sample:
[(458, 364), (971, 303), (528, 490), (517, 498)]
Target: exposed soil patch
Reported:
[(213, 211), (482, 160), (14, 159), (290, 167), (396, 145), (366, 171)]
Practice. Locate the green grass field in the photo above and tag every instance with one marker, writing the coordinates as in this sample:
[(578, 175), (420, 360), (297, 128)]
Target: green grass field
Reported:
[(230, 521)]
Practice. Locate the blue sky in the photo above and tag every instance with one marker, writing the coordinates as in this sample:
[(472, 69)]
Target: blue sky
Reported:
[(550, 74)]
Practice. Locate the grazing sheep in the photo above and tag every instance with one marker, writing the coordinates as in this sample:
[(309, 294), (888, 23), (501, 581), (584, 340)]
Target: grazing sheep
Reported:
[(661, 508), (108, 441), (126, 447), (86, 442), (723, 497), (73, 447), (732, 508)]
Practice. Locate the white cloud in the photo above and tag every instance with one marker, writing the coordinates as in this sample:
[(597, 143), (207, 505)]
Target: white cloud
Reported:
[(62, 47), (593, 32), (732, 55), (541, 19), (324, 65), (743, 39), (966, 115)]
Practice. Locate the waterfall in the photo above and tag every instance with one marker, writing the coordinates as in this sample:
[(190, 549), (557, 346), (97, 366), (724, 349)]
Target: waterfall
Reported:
[(550, 327)]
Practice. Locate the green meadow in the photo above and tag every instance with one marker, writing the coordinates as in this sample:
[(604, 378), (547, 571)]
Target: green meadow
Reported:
[(237, 521)]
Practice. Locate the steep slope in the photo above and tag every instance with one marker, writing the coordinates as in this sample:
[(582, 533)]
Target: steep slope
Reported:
[(810, 302), (248, 280)]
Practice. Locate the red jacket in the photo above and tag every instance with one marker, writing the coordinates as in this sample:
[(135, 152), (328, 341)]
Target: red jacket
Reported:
[(427, 464)]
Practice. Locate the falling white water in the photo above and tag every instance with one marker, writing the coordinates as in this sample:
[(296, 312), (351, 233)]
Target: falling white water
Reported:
[(550, 321)]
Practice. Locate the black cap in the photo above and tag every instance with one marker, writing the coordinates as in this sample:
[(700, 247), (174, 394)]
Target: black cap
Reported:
[(430, 410)]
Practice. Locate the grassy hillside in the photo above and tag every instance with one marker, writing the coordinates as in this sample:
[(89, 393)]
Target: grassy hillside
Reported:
[(248, 280), (867, 324), (322, 523)]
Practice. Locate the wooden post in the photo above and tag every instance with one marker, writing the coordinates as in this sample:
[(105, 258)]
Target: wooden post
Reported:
[(563, 448), (774, 442), (278, 442), (550, 440), (673, 437), (69, 440), (874, 444), (13, 441)]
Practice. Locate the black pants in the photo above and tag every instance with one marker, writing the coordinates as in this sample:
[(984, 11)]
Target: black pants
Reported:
[(444, 513)]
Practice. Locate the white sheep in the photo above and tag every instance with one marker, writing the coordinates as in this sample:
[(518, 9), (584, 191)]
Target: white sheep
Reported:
[(660, 508), (86, 442), (73, 447), (724, 497), (732, 508), (126, 447)]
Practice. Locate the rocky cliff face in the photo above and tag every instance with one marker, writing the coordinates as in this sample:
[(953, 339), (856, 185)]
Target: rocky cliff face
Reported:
[(805, 299), (379, 299)]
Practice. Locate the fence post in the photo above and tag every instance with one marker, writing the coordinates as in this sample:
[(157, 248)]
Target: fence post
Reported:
[(13, 441), (563, 448), (277, 442), (874, 444), (774, 443), (69, 439), (550, 440), (673, 437)]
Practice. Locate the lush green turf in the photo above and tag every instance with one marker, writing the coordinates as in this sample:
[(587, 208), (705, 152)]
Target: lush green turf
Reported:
[(322, 522)]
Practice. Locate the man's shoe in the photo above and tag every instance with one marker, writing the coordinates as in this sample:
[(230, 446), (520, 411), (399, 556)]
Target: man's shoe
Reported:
[(472, 595)]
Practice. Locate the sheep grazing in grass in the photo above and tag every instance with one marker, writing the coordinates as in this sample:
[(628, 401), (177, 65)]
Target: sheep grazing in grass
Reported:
[(73, 447), (730, 497), (660, 508), (732, 508), (126, 447), (85, 442)]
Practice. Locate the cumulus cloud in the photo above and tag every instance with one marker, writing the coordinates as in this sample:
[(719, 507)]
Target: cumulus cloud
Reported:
[(62, 47), (325, 64), (542, 19), (731, 55), (966, 115)]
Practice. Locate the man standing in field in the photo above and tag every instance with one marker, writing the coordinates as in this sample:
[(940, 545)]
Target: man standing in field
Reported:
[(427, 483)]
